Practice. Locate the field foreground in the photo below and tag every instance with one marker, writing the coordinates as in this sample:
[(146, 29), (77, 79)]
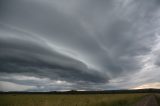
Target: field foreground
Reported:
[(70, 99)]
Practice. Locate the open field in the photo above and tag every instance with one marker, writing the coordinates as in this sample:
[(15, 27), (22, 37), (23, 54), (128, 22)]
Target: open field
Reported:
[(70, 99)]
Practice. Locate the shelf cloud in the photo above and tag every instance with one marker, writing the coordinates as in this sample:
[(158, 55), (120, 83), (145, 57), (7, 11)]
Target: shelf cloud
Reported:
[(78, 44)]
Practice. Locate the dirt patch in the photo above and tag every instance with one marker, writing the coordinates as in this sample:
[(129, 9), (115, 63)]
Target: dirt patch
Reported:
[(147, 101)]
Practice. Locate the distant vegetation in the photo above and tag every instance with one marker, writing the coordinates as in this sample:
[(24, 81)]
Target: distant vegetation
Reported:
[(69, 99)]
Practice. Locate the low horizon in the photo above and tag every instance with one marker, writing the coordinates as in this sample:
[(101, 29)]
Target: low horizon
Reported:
[(116, 91)]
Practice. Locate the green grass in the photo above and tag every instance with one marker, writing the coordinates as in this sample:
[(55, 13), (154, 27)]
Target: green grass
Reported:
[(69, 100)]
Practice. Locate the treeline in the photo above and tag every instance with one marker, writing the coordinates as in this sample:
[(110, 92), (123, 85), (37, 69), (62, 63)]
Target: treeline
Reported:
[(89, 92)]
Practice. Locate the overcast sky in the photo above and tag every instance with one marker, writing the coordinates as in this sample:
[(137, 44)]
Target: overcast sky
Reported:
[(79, 44)]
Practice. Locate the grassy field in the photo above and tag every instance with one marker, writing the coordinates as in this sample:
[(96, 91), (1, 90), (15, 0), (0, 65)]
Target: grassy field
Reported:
[(69, 100)]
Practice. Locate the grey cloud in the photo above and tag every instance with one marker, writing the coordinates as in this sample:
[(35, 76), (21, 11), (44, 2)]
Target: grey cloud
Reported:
[(25, 56), (100, 40)]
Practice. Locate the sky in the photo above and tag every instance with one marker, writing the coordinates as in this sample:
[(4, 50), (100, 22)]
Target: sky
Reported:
[(58, 45)]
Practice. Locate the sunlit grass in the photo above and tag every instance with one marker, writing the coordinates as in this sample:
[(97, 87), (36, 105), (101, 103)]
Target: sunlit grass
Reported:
[(69, 100)]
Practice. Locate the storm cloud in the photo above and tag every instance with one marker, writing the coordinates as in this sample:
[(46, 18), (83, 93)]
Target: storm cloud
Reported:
[(78, 44)]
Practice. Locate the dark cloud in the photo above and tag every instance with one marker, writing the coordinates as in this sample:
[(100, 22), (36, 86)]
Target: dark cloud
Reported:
[(25, 56), (82, 42)]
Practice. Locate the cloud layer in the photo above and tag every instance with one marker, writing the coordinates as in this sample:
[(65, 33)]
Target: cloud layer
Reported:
[(78, 44)]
